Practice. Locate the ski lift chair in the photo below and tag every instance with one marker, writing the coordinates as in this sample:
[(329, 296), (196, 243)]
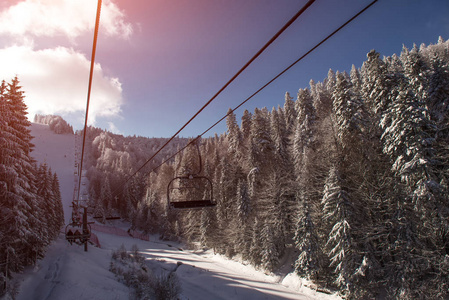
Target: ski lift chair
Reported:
[(78, 232), (188, 192), (191, 190)]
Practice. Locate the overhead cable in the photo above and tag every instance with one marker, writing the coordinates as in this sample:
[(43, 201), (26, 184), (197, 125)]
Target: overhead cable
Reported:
[(290, 66), (296, 16), (268, 83), (92, 61)]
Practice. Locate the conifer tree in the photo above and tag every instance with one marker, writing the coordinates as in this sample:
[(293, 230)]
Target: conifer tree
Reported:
[(304, 135), (279, 135), (234, 135), (45, 207), (58, 203), (261, 145), (438, 107), (348, 110), (269, 251), (339, 211), (290, 113), (322, 100), (245, 125), (243, 201), (307, 243), (356, 79), (255, 251), (242, 218), (208, 228), (17, 175)]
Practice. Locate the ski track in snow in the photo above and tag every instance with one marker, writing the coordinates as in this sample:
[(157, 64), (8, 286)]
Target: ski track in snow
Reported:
[(67, 272)]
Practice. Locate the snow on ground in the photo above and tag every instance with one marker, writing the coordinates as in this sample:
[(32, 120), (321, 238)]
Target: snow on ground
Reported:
[(58, 152), (67, 272)]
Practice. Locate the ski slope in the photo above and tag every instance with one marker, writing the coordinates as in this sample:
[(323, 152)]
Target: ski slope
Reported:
[(58, 152), (67, 272)]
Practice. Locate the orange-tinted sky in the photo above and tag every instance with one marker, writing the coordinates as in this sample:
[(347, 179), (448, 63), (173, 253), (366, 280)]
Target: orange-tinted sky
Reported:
[(159, 61)]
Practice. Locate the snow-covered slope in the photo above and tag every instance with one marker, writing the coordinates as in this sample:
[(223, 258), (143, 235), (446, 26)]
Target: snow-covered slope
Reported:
[(67, 272), (58, 152)]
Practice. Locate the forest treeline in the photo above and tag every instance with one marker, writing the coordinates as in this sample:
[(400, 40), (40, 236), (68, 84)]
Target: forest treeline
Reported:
[(56, 123), (31, 213), (352, 173), (350, 178)]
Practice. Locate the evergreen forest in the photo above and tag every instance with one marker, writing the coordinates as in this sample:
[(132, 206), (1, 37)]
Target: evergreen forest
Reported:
[(31, 213), (347, 182), (350, 178)]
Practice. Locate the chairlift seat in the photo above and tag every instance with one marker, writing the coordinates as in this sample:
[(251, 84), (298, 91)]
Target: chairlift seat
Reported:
[(192, 204), (74, 233), (200, 184), (185, 192)]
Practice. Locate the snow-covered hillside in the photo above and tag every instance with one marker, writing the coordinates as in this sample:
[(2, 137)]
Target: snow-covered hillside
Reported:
[(67, 272), (58, 152)]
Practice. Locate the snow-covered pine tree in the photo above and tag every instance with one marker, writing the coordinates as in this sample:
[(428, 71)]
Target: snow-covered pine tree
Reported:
[(245, 125), (339, 212), (208, 228), (356, 79), (356, 151), (58, 203), (242, 219), (45, 207), (17, 179), (322, 97), (228, 216), (348, 110), (255, 250), (40, 231), (261, 161), (269, 253), (304, 135), (409, 139), (330, 81), (307, 183), (307, 243), (192, 226), (261, 147), (277, 206), (322, 100), (284, 189), (290, 113), (305, 233), (279, 135), (234, 135), (438, 107), (54, 221), (243, 201), (377, 84)]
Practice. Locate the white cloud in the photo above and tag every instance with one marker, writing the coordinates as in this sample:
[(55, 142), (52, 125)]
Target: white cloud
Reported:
[(70, 18), (55, 81), (112, 128)]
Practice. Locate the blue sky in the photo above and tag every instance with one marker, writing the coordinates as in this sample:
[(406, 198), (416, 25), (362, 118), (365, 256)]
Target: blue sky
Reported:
[(159, 61)]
